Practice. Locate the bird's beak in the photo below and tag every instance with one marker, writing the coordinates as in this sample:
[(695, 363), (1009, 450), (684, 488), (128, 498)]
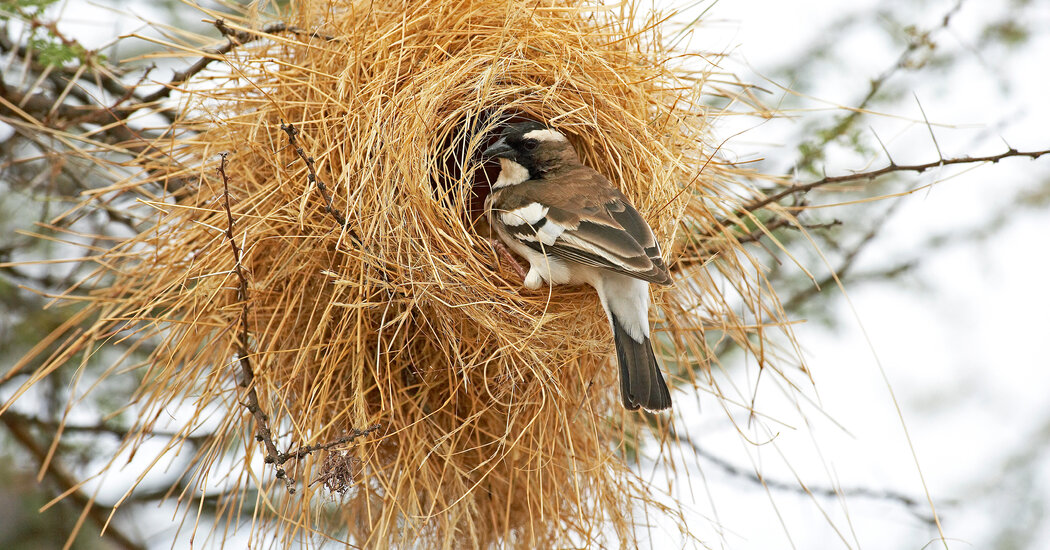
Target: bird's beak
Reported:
[(500, 149)]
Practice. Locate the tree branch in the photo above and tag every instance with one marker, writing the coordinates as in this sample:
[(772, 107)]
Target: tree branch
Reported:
[(234, 39), (69, 485), (892, 167), (731, 469), (100, 428), (311, 177), (263, 432)]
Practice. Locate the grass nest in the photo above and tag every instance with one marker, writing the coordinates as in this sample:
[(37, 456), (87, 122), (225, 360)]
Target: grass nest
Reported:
[(322, 297)]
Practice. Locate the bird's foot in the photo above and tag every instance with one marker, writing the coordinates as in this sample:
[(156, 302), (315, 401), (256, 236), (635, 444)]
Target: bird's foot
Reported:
[(505, 255)]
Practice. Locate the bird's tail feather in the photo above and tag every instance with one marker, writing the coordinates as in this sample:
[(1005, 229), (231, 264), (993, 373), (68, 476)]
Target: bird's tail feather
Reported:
[(641, 383)]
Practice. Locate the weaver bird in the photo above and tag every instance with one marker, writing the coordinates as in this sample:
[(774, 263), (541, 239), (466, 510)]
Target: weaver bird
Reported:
[(574, 226)]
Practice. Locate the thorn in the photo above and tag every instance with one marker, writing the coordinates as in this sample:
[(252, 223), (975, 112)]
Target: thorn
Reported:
[(881, 144), (1009, 148), (940, 156)]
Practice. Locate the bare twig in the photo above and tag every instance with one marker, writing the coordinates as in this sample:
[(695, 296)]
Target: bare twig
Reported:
[(234, 38), (908, 502), (263, 432), (311, 177), (302, 452), (888, 169)]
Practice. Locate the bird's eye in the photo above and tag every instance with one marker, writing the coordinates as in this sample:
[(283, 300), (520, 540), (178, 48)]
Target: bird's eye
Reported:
[(530, 144)]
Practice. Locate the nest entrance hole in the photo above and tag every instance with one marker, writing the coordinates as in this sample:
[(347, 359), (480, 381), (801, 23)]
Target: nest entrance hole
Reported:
[(456, 156)]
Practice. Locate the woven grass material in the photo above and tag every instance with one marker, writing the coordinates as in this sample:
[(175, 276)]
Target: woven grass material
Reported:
[(500, 415)]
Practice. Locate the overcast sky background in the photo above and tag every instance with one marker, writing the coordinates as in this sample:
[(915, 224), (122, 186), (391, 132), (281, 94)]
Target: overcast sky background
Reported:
[(961, 339)]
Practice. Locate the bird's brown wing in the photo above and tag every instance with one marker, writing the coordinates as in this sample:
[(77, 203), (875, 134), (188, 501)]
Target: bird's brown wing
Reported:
[(586, 220)]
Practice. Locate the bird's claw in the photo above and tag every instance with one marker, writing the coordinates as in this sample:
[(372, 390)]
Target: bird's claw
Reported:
[(505, 255)]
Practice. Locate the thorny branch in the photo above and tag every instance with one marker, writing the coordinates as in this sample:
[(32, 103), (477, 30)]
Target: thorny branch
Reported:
[(919, 40), (798, 299), (892, 167), (311, 177), (263, 432), (262, 423), (799, 189)]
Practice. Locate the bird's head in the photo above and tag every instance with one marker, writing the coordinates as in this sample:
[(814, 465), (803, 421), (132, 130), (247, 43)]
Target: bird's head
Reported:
[(532, 146)]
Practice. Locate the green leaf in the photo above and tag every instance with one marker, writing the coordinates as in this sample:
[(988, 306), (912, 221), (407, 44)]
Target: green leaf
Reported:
[(54, 53), (24, 8)]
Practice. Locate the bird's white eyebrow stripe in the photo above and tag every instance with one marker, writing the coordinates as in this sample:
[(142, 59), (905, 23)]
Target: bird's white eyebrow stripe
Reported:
[(545, 135), (530, 214)]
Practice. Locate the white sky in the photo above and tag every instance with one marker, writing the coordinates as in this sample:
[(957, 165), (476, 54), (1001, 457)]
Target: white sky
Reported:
[(961, 340)]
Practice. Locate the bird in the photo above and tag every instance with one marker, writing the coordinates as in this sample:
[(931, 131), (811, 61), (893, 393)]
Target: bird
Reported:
[(574, 226)]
